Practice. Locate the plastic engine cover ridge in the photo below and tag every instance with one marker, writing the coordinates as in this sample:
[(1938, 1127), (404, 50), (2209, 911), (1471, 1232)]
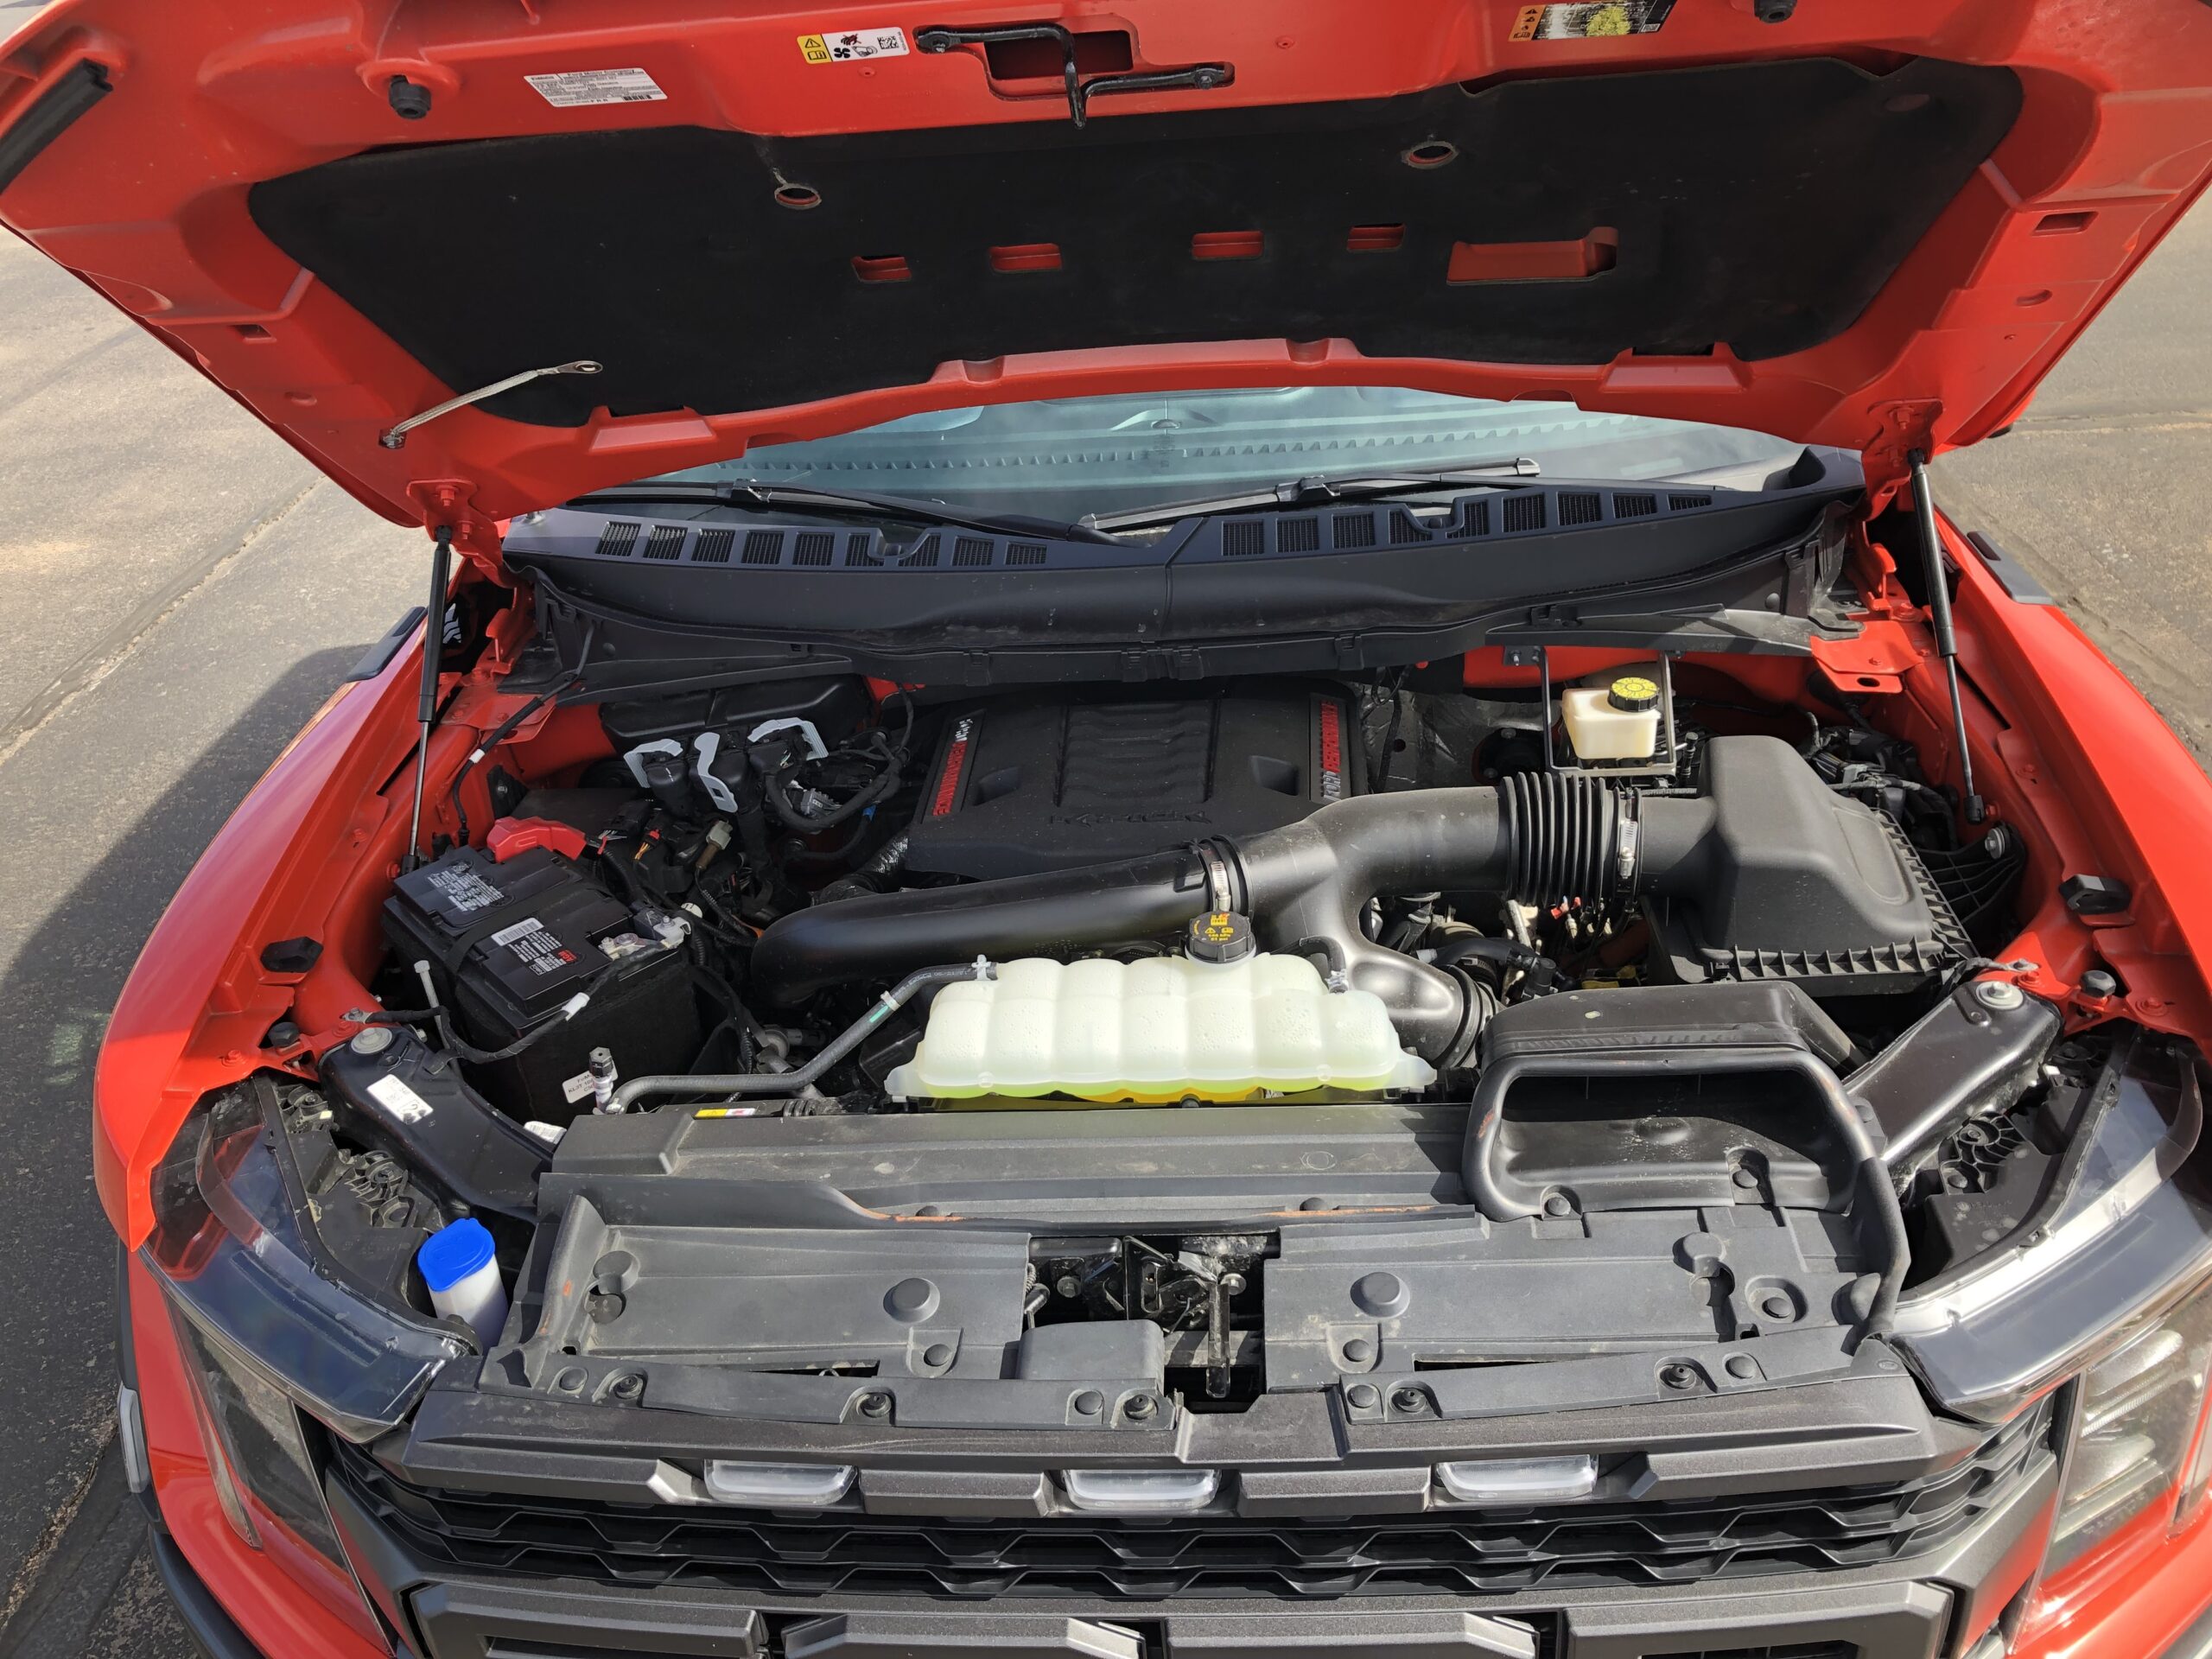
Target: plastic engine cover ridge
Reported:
[(1158, 1029)]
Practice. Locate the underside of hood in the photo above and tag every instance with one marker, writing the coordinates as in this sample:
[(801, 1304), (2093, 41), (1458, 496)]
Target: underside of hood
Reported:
[(1874, 226)]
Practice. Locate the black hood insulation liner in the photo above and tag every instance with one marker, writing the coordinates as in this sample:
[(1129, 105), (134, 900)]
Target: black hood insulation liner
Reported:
[(1757, 206)]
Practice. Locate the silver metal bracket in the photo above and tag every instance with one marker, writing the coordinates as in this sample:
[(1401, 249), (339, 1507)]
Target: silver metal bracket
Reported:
[(396, 437)]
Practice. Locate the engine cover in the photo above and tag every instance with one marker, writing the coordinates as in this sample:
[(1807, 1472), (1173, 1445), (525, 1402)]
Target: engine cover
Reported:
[(1022, 785)]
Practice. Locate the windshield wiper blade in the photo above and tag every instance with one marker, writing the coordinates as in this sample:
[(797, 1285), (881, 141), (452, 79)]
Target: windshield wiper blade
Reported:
[(1320, 490), (807, 501)]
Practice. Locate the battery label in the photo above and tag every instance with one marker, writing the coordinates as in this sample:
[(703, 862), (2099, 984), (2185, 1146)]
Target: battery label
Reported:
[(463, 889), (535, 946)]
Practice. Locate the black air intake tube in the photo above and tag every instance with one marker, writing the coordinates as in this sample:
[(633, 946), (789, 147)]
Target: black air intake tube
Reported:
[(1541, 840), (880, 936), (1766, 860)]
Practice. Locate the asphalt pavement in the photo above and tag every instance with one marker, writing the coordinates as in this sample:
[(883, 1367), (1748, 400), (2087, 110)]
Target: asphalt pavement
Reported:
[(180, 591)]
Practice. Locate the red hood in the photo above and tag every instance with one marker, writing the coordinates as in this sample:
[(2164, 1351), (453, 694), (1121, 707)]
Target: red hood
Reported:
[(1873, 225)]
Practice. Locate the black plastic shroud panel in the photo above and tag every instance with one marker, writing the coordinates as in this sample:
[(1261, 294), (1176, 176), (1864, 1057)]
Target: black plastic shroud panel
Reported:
[(1758, 206)]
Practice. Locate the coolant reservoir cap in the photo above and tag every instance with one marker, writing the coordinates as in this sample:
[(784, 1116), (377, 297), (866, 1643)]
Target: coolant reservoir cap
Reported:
[(1633, 694), (1221, 936)]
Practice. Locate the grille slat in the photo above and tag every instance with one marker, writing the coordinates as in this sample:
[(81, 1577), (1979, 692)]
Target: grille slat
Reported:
[(616, 541), (713, 546), (1354, 530), (666, 541), (1243, 538), (1525, 511), (1447, 1552)]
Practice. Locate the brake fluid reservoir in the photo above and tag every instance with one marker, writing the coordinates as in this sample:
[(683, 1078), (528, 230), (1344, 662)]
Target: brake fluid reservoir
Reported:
[(1157, 1029), (1618, 721)]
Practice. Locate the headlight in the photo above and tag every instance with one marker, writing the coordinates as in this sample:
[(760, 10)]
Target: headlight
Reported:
[(266, 1337), (233, 1246), (2139, 1429)]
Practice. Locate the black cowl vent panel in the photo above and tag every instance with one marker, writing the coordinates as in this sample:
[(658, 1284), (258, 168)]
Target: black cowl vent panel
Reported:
[(1755, 206)]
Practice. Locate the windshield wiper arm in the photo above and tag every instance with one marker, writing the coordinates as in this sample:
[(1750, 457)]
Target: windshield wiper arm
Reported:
[(1318, 491), (807, 501)]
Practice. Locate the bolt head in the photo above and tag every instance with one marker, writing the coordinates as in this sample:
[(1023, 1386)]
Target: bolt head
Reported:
[(1678, 1376), (1141, 1408), (2000, 995), (1409, 1400), (875, 1405)]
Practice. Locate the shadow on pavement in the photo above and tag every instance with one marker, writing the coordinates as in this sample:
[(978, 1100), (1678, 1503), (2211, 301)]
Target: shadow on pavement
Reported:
[(82, 1586)]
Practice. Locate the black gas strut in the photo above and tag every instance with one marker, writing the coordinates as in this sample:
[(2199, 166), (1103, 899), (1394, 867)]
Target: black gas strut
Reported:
[(1947, 641), (434, 640)]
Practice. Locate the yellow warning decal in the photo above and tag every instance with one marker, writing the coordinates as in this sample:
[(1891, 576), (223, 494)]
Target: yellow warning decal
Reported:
[(853, 45), (1589, 20)]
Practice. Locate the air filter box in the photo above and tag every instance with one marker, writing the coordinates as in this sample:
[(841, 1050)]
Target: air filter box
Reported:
[(510, 944), (1019, 785)]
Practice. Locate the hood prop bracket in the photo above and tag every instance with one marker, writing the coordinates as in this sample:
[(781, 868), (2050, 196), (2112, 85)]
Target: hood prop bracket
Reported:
[(394, 437), (1198, 77), (1946, 639)]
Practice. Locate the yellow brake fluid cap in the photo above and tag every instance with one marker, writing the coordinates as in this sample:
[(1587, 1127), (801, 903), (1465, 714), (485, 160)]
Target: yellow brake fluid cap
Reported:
[(1633, 694)]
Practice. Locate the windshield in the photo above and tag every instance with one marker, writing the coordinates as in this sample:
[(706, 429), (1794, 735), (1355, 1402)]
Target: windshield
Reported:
[(1063, 459)]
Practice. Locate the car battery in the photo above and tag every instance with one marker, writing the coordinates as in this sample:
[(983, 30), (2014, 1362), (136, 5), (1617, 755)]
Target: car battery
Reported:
[(509, 944)]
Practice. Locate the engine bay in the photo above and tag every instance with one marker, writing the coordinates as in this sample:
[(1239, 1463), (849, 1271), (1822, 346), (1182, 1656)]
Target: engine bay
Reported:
[(820, 1046), (1165, 898)]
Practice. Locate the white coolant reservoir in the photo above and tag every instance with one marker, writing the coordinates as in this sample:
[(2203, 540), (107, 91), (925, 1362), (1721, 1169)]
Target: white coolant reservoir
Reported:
[(1615, 720), (1157, 1029)]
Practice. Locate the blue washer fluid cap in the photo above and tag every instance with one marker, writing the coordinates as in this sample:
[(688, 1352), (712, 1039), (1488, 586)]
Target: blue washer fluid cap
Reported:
[(451, 1254)]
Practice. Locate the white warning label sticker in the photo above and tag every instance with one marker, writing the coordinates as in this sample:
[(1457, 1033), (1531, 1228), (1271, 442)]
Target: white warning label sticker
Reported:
[(575, 89), (514, 930), (853, 45), (399, 1099)]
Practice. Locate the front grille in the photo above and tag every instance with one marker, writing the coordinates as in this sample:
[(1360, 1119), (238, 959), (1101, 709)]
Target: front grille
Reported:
[(1457, 1553)]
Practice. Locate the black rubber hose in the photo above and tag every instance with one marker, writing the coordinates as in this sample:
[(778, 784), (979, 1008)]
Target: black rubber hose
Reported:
[(1505, 954)]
